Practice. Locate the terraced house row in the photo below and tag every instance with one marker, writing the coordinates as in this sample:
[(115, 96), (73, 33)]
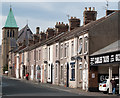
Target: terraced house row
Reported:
[(64, 55)]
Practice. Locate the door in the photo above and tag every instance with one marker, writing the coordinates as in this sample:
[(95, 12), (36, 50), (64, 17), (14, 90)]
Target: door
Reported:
[(67, 75), (51, 73)]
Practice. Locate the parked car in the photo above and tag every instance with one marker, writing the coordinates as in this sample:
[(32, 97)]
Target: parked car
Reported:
[(104, 86)]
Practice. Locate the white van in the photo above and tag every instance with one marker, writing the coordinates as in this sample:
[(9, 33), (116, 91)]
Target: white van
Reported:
[(104, 86)]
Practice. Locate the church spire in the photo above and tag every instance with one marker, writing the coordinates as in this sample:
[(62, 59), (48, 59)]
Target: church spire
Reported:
[(10, 22)]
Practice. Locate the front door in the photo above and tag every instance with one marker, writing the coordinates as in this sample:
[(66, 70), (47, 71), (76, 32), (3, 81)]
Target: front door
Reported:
[(67, 75)]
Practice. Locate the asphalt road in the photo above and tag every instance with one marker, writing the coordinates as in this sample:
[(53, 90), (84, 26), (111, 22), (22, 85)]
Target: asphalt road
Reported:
[(12, 87)]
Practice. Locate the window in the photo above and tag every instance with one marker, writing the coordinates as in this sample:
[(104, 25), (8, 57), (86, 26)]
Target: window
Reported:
[(56, 50), (61, 51), (13, 33), (80, 46), (8, 33), (56, 71), (39, 54), (73, 72), (61, 72), (45, 53), (29, 55), (49, 72), (86, 45), (34, 55), (49, 54), (65, 53), (80, 73), (72, 48), (67, 49)]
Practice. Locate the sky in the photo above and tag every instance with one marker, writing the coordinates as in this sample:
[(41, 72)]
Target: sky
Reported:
[(46, 14)]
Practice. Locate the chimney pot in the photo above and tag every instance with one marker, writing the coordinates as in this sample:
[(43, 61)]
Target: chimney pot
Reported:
[(37, 30), (89, 8), (93, 9), (85, 8), (71, 17)]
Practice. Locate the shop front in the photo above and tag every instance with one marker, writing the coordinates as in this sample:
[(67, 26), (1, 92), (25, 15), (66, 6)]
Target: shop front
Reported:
[(104, 66)]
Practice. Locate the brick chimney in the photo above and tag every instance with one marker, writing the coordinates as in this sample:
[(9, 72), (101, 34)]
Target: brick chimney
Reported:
[(42, 36), (50, 32), (61, 27), (37, 30), (36, 38), (30, 42), (89, 15), (73, 23)]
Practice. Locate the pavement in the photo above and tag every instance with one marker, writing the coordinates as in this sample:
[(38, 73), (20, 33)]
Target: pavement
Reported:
[(62, 88)]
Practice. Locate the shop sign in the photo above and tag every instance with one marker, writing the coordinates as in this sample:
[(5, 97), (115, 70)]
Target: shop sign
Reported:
[(103, 59)]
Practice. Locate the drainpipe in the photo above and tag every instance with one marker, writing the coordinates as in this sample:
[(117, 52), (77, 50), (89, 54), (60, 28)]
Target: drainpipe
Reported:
[(77, 64), (119, 79)]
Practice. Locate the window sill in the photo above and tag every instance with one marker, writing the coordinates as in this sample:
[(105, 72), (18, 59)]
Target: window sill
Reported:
[(61, 58), (72, 79), (85, 53), (65, 57)]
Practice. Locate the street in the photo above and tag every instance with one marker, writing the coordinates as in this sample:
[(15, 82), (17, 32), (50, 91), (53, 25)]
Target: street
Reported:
[(19, 88)]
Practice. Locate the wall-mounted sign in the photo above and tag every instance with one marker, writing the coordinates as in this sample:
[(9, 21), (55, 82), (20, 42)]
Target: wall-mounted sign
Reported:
[(103, 59)]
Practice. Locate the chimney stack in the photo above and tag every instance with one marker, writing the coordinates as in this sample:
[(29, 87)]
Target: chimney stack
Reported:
[(61, 27), (89, 15), (50, 32), (73, 23), (37, 30), (42, 36)]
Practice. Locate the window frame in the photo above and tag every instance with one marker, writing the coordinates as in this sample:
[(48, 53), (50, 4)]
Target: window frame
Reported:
[(72, 72), (72, 48)]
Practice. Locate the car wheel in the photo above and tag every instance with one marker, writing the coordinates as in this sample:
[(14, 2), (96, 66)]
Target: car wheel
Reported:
[(105, 92)]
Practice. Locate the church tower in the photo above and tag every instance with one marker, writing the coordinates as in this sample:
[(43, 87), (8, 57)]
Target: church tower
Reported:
[(9, 37)]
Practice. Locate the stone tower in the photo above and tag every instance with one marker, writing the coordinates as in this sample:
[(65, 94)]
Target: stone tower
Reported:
[(9, 37)]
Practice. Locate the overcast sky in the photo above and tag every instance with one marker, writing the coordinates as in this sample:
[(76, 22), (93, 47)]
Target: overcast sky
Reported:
[(46, 14)]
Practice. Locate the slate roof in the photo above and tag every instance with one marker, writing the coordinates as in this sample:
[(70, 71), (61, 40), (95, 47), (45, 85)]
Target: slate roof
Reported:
[(115, 46), (24, 34), (10, 22)]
